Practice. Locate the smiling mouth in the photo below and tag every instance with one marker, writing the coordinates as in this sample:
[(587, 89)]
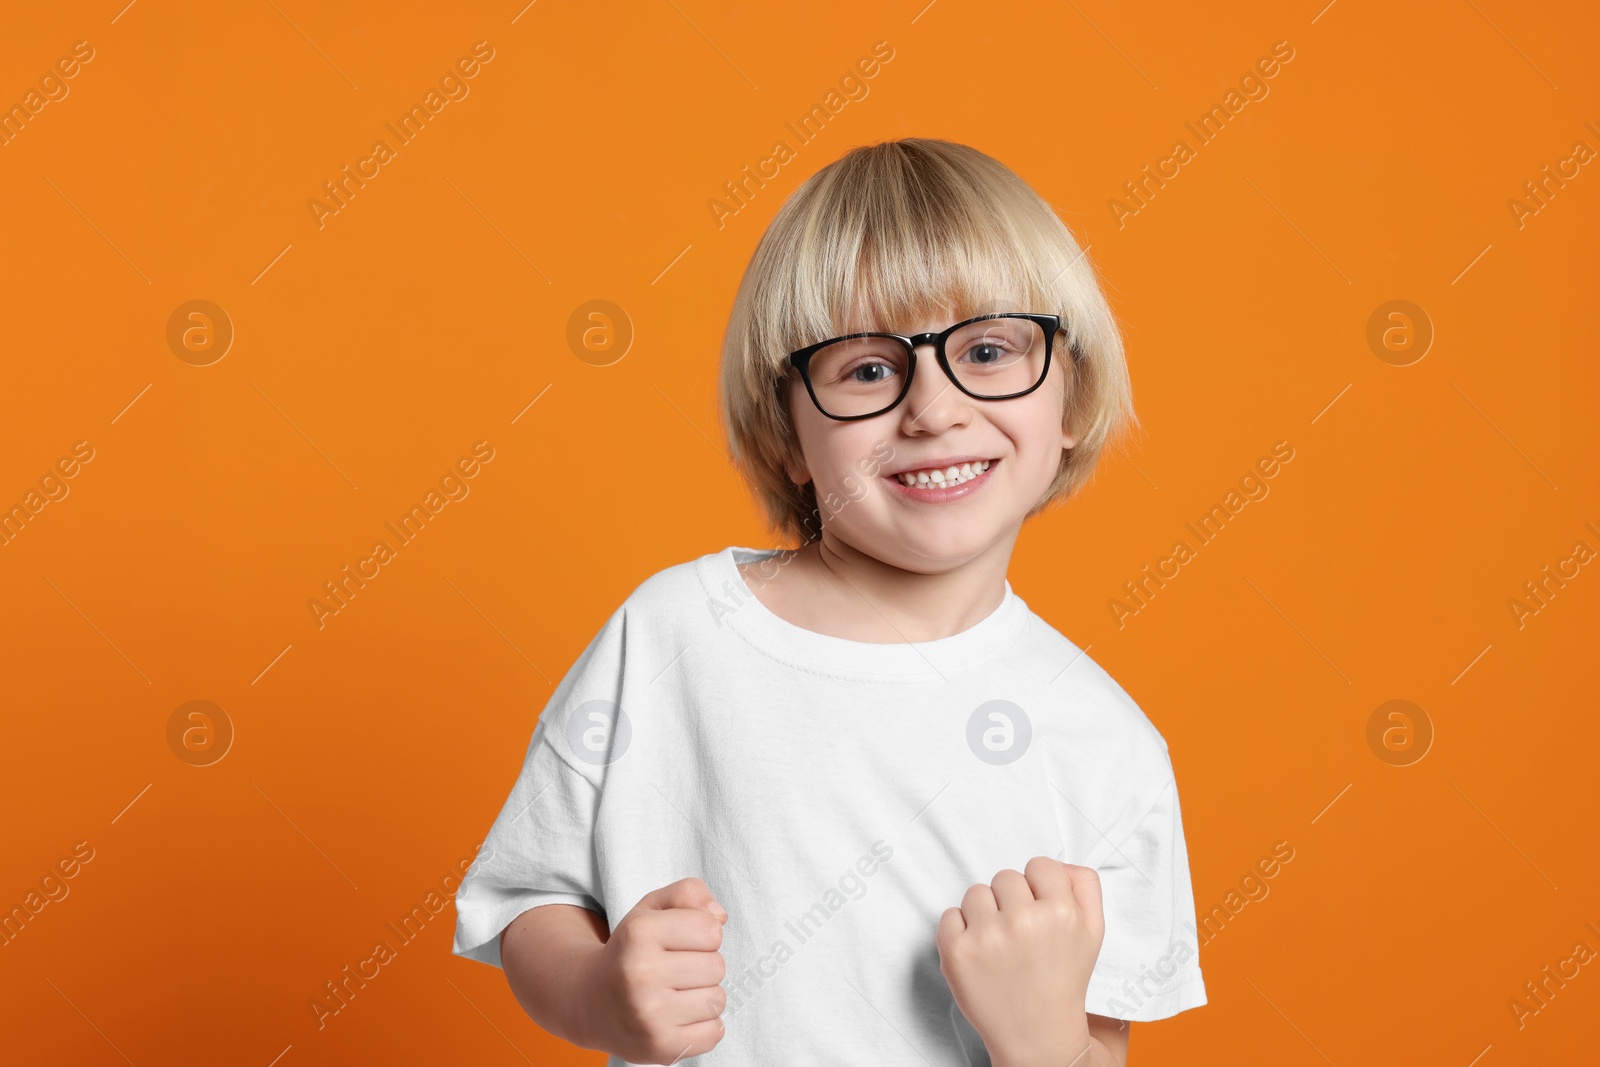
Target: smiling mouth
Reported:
[(943, 477)]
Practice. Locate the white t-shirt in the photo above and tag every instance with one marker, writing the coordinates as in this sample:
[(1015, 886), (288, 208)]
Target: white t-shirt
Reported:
[(837, 796)]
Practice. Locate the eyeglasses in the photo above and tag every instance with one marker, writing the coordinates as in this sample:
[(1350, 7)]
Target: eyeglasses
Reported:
[(860, 375)]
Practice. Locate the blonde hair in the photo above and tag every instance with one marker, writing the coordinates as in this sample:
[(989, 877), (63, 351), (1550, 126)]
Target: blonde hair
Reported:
[(892, 233)]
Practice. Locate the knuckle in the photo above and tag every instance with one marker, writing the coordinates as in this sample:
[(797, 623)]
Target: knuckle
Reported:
[(628, 930), (1005, 876), (991, 942), (717, 1001), (635, 972)]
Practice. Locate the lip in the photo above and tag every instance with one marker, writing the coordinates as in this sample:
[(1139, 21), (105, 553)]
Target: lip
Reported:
[(947, 461), (943, 495)]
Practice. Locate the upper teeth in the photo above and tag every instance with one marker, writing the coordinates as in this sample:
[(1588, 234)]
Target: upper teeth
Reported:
[(943, 476)]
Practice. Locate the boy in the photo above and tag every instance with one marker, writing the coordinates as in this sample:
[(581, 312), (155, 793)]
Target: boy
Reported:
[(854, 803)]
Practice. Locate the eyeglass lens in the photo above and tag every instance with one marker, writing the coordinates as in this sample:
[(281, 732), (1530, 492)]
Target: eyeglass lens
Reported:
[(990, 358)]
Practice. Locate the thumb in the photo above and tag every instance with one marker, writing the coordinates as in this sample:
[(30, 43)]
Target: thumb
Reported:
[(1086, 891), (685, 893)]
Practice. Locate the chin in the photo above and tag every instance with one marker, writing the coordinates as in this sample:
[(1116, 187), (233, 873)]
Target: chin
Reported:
[(939, 547)]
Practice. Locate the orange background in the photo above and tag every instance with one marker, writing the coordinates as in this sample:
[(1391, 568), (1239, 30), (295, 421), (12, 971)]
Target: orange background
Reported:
[(371, 755)]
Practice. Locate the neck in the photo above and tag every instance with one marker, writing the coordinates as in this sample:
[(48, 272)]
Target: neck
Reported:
[(847, 593)]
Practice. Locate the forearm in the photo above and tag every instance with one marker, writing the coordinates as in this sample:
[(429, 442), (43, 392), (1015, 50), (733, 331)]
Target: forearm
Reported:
[(545, 953)]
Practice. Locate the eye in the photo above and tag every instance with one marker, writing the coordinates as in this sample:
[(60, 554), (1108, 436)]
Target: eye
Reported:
[(870, 373), (859, 365), (992, 353)]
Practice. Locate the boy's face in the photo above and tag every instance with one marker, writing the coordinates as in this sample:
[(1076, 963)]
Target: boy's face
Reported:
[(933, 529)]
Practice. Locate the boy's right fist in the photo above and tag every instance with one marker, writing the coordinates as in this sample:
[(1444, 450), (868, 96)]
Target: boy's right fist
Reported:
[(658, 979)]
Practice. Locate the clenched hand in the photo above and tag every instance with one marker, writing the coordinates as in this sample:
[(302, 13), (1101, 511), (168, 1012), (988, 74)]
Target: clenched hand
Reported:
[(655, 986), (1018, 956)]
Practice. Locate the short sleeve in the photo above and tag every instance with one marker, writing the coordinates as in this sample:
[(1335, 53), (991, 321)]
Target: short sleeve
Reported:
[(1149, 965), (542, 848)]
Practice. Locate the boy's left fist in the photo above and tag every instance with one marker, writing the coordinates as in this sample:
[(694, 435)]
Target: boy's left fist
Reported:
[(1018, 954)]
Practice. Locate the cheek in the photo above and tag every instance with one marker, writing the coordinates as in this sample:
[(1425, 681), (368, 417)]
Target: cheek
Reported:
[(811, 440), (1035, 429), (847, 461), (838, 455)]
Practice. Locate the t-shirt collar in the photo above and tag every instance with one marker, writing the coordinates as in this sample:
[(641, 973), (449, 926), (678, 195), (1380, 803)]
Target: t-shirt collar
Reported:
[(734, 606)]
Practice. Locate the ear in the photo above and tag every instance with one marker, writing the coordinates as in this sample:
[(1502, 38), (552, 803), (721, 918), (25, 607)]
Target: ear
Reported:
[(794, 460), (1069, 439), (796, 470)]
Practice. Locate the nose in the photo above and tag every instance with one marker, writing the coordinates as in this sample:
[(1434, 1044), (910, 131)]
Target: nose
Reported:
[(934, 404)]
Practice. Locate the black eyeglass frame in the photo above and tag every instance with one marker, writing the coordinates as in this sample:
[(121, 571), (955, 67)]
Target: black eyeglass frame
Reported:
[(1050, 324)]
